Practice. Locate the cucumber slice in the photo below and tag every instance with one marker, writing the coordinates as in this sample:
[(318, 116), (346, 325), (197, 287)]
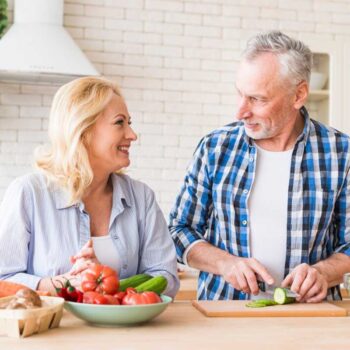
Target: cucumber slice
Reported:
[(281, 298), (261, 303)]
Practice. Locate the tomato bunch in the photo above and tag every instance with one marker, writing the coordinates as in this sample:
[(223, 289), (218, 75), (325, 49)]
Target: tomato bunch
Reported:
[(100, 285)]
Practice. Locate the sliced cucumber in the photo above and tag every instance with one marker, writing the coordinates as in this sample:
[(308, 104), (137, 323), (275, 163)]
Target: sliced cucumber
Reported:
[(281, 298), (261, 303)]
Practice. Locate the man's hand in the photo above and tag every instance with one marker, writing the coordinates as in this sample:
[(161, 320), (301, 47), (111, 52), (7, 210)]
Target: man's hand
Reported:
[(308, 282), (242, 274)]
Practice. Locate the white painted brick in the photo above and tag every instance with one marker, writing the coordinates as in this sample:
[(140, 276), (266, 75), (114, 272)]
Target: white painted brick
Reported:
[(44, 89), (179, 85), (9, 88), (296, 26), (126, 25), (18, 148), (211, 54), (142, 83), (300, 5), (103, 34), (217, 109), (163, 51), (262, 24), (180, 40), (7, 135), (180, 152), (203, 31), (186, 130), (222, 21), (173, 174), (86, 2), (146, 106), (47, 100), (73, 9), (200, 75), (132, 94), (146, 151), (241, 11), (9, 111), (258, 3), (219, 66), (183, 107), (201, 97), (184, 18), (141, 60), (85, 22), (99, 11), (188, 141), (331, 6), (123, 70), (175, 62), (18, 123), (14, 170), (162, 73), (142, 15), (106, 57), (163, 28), (334, 28), (162, 95), (205, 9), (155, 163), (232, 34), (124, 48), (149, 129), (75, 33), (182, 163), (34, 112), (166, 119), (161, 140), (343, 18), (133, 4), (316, 17), (18, 99), (88, 44), (165, 5), (274, 13), (36, 136), (143, 38)]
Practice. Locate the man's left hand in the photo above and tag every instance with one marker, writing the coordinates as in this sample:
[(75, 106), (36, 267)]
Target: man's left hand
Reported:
[(308, 282)]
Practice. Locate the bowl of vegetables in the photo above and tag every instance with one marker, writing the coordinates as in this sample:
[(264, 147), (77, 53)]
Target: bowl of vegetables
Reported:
[(113, 315), (107, 301)]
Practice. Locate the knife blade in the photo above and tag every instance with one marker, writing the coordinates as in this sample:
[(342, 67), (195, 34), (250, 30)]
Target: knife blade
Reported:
[(270, 289)]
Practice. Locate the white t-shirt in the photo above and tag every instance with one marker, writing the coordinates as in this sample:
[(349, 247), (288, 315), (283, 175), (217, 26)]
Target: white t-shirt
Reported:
[(268, 208), (106, 252)]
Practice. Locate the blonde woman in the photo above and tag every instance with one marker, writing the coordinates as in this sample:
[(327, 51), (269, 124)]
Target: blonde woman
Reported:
[(79, 208)]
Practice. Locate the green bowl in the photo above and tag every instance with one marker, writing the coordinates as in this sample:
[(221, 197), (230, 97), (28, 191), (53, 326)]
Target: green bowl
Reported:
[(113, 315)]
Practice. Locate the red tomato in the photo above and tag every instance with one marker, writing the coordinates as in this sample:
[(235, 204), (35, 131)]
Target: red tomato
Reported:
[(112, 300), (94, 298), (134, 298), (120, 296), (101, 279)]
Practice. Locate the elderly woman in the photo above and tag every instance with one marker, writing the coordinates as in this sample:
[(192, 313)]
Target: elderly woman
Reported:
[(79, 209)]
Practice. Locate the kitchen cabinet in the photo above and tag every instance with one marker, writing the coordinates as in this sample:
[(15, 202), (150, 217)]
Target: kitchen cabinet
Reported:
[(328, 104)]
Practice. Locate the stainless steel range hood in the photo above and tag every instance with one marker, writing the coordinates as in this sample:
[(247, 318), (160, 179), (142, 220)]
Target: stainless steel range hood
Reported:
[(37, 48)]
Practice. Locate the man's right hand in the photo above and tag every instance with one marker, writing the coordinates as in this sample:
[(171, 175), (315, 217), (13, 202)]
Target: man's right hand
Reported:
[(242, 274)]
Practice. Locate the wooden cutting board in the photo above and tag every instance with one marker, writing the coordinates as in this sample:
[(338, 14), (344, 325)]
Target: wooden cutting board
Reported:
[(237, 308)]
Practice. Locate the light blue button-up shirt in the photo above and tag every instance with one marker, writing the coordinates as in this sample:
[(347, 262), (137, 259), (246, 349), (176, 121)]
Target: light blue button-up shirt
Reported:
[(39, 231)]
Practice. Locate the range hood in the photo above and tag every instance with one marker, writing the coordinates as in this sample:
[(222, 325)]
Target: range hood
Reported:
[(37, 48)]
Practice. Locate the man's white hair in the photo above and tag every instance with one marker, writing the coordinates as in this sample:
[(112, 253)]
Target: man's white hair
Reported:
[(294, 56)]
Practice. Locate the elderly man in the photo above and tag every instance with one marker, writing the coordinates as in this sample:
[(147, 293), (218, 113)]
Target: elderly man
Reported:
[(268, 197)]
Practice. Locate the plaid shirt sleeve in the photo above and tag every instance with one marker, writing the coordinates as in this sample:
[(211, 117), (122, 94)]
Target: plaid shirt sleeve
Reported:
[(342, 219), (193, 207)]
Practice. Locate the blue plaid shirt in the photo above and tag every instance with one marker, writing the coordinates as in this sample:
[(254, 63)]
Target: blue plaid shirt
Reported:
[(212, 204)]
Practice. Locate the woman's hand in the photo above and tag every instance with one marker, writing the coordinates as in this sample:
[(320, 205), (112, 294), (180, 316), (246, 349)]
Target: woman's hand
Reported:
[(83, 259)]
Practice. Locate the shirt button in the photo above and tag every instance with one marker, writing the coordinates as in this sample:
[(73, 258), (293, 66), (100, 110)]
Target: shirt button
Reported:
[(125, 266), (245, 191), (251, 158), (244, 222), (115, 236)]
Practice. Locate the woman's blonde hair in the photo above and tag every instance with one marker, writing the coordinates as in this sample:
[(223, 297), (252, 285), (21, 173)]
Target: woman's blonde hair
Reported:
[(75, 109)]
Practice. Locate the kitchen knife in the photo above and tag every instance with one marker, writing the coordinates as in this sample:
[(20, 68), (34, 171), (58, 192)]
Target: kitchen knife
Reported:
[(270, 289)]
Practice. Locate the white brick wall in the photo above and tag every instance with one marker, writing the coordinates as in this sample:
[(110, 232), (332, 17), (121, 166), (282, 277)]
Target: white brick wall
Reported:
[(175, 61)]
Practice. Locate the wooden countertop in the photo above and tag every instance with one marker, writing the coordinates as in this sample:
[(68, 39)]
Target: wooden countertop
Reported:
[(183, 327)]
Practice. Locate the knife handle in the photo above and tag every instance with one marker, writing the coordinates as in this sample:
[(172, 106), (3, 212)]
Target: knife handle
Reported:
[(262, 286)]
